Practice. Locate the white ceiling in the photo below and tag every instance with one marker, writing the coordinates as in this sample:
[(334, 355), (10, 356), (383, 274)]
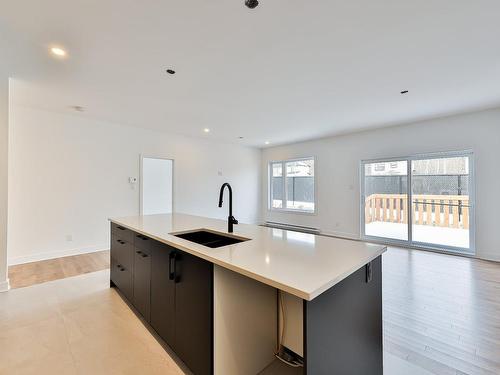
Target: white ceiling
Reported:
[(287, 71)]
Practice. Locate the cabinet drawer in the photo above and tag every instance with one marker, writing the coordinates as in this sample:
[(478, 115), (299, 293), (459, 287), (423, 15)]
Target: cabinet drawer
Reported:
[(143, 243), (122, 251), (115, 270), (122, 233), (122, 277)]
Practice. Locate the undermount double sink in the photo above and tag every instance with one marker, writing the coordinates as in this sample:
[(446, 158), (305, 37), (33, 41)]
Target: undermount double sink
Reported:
[(210, 238)]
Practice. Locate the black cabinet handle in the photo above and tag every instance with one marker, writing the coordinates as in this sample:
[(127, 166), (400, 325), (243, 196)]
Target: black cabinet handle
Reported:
[(177, 278), (171, 265), (139, 252), (120, 267), (369, 272), (144, 238), (121, 228), (120, 241)]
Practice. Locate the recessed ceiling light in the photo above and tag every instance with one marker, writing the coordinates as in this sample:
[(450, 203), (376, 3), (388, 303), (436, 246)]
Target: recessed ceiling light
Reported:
[(57, 51), (206, 130), (170, 71), (240, 137), (252, 4), (266, 142), (404, 92)]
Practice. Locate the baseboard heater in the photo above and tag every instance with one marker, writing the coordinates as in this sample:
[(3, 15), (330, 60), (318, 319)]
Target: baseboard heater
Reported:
[(296, 228)]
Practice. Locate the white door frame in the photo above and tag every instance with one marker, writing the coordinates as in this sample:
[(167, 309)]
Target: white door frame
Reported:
[(141, 188)]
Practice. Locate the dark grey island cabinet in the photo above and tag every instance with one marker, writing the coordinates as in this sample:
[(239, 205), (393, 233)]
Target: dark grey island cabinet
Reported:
[(171, 289)]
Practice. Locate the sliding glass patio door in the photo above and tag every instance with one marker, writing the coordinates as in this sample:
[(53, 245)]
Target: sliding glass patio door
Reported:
[(424, 201)]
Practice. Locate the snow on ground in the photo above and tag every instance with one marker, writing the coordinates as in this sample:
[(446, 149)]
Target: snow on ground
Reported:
[(421, 233)]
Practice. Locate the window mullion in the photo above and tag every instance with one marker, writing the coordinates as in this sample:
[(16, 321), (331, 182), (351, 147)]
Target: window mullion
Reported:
[(272, 193), (410, 200), (284, 192)]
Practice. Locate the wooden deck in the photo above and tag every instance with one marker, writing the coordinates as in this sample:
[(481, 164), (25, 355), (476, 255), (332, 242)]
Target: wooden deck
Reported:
[(449, 211)]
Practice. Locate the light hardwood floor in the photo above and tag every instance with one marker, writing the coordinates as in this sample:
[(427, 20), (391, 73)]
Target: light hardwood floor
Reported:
[(441, 316), (442, 312), (27, 274)]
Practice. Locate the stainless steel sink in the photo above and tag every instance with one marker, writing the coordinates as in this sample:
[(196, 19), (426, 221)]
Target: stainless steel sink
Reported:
[(210, 238)]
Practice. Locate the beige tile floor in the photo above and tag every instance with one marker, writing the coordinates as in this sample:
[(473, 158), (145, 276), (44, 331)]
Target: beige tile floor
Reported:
[(76, 325)]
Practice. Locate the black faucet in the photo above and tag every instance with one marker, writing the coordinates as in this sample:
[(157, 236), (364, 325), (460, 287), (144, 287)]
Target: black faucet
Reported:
[(230, 220)]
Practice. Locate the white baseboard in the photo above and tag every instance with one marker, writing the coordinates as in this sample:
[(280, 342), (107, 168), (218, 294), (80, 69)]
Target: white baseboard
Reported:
[(4, 286), (55, 254), (488, 256)]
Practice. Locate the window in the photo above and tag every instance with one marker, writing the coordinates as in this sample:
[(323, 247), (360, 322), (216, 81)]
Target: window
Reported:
[(277, 185), (291, 185), (423, 200)]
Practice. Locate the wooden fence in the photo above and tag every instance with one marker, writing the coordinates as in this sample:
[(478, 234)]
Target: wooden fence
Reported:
[(450, 211)]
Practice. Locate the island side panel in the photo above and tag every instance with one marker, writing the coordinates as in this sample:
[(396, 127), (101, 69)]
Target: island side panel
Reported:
[(343, 327), (245, 324), (293, 337)]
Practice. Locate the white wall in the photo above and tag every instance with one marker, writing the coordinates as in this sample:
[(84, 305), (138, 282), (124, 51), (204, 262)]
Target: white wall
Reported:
[(4, 135), (337, 170), (68, 174)]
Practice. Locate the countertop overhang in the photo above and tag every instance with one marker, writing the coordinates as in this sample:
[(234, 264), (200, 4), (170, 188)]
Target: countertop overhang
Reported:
[(301, 264)]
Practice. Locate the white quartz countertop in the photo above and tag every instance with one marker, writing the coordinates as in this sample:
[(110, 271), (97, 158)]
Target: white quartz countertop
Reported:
[(301, 264)]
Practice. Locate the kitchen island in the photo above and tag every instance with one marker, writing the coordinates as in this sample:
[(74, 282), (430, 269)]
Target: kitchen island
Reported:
[(218, 307)]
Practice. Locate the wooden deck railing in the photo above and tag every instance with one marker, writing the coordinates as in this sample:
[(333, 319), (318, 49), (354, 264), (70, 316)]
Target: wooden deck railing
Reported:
[(450, 211)]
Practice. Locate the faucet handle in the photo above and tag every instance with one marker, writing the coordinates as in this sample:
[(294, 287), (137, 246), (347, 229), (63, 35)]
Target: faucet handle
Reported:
[(233, 220)]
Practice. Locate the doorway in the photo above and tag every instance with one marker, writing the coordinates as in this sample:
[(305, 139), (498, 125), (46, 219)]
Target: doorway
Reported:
[(156, 185)]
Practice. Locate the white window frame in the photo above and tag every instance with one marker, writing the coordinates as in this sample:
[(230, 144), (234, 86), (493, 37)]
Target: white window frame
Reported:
[(410, 242), (284, 192)]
